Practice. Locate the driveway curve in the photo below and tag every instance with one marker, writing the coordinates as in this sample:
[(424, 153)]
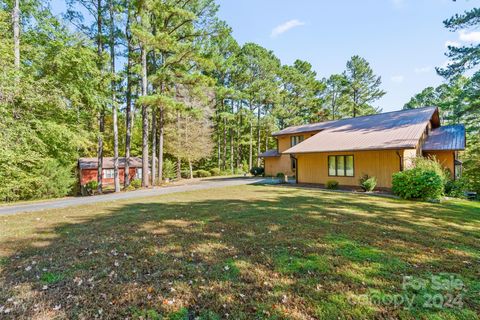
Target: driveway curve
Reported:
[(76, 201)]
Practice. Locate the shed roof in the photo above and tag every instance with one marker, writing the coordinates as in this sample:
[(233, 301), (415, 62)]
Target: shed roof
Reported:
[(446, 138), (269, 154), (392, 130), (92, 163)]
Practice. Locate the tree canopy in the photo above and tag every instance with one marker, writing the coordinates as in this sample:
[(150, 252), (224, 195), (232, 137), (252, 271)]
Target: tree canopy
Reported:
[(161, 79)]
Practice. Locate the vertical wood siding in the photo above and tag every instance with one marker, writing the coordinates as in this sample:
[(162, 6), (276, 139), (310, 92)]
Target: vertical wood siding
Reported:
[(280, 164), (313, 167), (445, 158), (283, 163)]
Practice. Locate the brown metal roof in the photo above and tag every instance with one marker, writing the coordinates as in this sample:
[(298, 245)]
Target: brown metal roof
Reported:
[(392, 130), (446, 138), (313, 127), (269, 154), (92, 163)]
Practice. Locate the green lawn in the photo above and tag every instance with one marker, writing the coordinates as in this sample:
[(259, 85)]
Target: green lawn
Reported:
[(249, 252)]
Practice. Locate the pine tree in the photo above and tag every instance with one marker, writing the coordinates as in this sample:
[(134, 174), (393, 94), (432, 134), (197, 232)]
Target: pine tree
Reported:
[(362, 87), (462, 58)]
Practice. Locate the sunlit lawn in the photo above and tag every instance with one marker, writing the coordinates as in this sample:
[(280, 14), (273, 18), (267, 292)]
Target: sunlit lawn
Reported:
[(249, 252)]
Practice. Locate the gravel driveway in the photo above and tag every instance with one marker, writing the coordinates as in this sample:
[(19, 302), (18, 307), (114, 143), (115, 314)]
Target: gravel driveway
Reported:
[(75, 201)]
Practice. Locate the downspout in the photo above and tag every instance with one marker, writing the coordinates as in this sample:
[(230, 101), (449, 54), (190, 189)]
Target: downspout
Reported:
[(296, 167), (401, 160)]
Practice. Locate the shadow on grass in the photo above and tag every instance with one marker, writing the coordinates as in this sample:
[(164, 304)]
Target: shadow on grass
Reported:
[(282, 253)]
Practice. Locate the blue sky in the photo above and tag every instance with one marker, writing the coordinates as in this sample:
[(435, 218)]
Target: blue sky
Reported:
[(404, 40)]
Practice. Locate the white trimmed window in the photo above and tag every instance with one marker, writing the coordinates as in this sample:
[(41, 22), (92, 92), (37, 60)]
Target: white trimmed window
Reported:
[(138, 174), (107, 173)]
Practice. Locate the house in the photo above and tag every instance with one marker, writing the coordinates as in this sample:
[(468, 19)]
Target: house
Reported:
[(377, 145), (88, 169)]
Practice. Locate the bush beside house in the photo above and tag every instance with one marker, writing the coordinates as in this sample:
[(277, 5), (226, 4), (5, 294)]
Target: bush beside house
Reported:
[(368, 183), (332, 185), (425, 181)]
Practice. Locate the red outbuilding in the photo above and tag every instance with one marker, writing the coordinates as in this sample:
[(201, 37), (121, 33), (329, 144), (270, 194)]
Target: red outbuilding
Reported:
[(88, 169)]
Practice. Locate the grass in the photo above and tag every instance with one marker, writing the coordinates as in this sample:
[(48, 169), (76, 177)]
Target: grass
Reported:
[(247, 252)]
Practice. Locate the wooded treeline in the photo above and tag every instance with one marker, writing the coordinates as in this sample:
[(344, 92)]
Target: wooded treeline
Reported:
[(160, 79), (459, 97)]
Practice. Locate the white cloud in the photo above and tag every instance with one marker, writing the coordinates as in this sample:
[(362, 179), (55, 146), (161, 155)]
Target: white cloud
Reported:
[(422, 69), (466, 36), (450, 43), (397, 79), (284, 27)]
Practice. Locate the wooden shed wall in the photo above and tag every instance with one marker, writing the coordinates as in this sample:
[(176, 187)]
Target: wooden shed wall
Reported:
[(87, 175)]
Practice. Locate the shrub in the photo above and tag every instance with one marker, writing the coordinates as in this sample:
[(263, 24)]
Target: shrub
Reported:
[(202, 173), (432, 164), (169, 169), (136, 183), (245, 167), (215, 172), (257, 171), (332, 184), (185, 174), (456, 188), (418, 183), (368, 183), (226, 173), (52, 180), (281, 175), (91, 187)]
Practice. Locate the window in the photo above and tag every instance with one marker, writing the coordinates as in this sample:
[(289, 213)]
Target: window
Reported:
[(293, 164), (138, 174), (108, 173), (340, 166), (294, 140)]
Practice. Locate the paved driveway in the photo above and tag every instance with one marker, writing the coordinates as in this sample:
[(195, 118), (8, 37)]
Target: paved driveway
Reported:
[(75, 201)]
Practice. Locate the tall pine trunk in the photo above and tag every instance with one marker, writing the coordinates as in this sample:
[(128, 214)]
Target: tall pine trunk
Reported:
[(239, 145), (219, 152), (128, 111), (224, 154), (231, 151), (144, 119), (258, 136), (179, 160), (16, 33), (116, 174), (154, 147), (250, 151), (160, 145), (101, 119)]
